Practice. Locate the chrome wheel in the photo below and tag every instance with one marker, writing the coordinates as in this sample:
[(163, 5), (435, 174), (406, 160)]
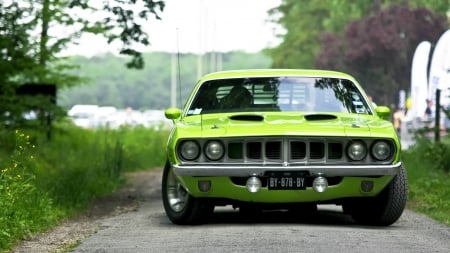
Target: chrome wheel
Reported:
[(176, 194)]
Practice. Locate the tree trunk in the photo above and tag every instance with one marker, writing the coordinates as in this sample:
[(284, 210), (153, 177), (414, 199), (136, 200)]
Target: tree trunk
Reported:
[(45, 18)]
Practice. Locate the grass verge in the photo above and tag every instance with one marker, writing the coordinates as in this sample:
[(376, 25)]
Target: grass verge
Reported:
[(43, 181), (428, 168)]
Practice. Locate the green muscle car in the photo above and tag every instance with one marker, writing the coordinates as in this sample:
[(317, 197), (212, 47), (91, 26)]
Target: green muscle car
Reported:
[(282, 139)]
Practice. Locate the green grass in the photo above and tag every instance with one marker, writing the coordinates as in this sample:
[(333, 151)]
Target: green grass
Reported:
[(428, 168), (43, 181)]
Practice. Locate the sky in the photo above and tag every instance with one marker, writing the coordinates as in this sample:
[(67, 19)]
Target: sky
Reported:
[(198, 26)]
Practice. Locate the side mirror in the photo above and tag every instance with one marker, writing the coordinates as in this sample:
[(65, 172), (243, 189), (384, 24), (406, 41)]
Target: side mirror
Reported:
[(383, 112), (172, 113)]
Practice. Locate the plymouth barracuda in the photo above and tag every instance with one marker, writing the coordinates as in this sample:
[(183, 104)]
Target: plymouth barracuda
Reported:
[(282, 139)]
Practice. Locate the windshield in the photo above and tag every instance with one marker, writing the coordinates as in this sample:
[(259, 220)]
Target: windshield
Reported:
[(284, 94)]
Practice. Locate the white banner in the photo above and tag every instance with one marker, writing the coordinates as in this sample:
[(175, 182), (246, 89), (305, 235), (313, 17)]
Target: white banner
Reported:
[(439, 70), (419, 80)]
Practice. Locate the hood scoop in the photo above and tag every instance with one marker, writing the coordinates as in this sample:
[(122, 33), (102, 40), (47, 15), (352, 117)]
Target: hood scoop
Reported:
[(314, 117), (247, 117)]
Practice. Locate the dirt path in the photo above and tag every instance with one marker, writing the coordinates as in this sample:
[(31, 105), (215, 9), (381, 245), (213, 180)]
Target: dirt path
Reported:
[(70, 232)]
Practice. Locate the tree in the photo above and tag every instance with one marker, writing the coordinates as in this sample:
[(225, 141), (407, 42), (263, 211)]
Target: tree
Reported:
[(16, 50), (117, 20), (304, 21), (31, 40), (378, 49)]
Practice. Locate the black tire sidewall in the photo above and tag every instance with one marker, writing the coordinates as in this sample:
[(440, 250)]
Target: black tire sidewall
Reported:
[(384, 209)]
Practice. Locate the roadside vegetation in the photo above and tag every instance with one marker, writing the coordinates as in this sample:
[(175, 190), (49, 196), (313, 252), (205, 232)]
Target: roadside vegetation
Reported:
[(428, 167), (44, 181)]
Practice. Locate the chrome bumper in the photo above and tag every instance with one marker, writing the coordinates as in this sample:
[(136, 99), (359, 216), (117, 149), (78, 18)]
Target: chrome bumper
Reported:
[(245, 170)]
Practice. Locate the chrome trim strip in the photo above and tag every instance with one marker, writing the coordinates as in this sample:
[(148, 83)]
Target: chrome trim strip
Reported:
[(245, 170)]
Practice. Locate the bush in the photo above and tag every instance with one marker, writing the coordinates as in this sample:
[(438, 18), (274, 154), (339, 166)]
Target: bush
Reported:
[(433, 155)]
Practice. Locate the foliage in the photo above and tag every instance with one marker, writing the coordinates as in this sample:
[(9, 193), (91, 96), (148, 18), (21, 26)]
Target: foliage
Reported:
[(122, 21), (303, 22), (92, 162), (143, 148), (43, 181), (390, 35), (428, 185), (16, 49), (24, 208), (148, 88), (25, 57)]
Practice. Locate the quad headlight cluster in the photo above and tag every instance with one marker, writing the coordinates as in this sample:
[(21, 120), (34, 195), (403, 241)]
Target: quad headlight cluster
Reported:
[(380, 150), (191, 150)]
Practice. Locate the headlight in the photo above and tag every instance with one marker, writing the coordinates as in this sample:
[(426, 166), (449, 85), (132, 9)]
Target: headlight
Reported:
[(381, 150), (214, 150), (357, 151), (189, 150)]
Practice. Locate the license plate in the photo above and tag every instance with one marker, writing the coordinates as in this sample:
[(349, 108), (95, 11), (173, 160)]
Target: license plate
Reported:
[(286, 181)]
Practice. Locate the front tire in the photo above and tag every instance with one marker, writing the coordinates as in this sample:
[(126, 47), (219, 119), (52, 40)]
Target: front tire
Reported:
[(384, 209), (182, 208)]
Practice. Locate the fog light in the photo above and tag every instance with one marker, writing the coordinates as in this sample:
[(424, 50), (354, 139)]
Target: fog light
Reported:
[(320, 184), (204, 186), (253, 184)]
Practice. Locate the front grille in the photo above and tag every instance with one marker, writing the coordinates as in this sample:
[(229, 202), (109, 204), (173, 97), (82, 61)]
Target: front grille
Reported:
[(298, 150), (254, 150), (285, 149), (316, 150), (273, 150), (335, 151)]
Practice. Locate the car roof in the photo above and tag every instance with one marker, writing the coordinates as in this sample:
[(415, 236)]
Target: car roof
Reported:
[(274, 72)]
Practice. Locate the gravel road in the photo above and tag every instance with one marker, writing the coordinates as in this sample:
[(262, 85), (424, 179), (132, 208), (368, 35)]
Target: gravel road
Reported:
[(136, 222)]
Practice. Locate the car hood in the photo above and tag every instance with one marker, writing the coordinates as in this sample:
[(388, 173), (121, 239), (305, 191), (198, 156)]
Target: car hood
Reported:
[(276, 123)]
